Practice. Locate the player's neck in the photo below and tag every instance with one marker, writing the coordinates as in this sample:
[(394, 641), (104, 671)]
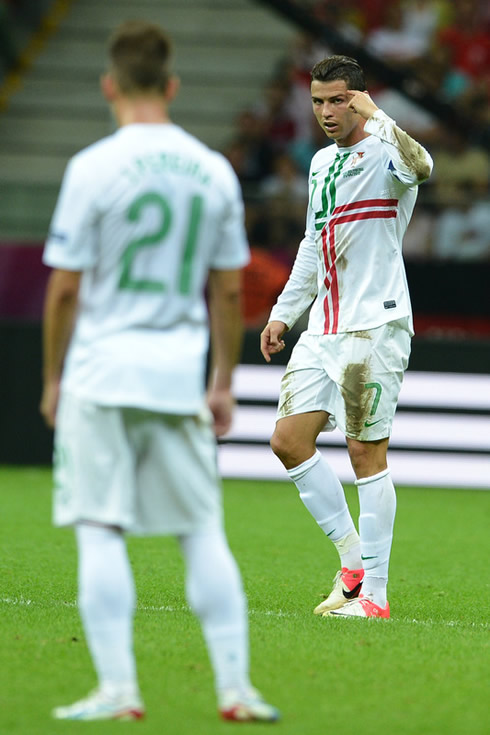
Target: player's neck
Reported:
[(141, 110), (354, 137)]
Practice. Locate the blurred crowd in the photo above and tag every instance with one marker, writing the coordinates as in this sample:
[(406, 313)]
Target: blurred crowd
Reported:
[(444, 44)]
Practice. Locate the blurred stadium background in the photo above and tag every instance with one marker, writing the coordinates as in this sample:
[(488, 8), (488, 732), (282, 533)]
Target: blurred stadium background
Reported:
[(244, 66)]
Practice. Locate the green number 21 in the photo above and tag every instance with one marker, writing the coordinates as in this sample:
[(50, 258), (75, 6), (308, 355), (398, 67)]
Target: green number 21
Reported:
[(157, 237)]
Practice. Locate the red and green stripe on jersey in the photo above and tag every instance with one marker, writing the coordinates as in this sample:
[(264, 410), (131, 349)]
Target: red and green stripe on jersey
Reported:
[(329, 189), (328, 219)]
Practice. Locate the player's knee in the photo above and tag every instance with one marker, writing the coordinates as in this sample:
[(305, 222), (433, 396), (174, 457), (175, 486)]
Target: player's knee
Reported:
[(280, 445), (367, 458), (289, 449)]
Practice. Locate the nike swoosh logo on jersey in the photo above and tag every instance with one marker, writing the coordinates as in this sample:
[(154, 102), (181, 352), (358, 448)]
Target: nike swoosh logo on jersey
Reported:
[(367, 424), (368, 557), (354, 592)]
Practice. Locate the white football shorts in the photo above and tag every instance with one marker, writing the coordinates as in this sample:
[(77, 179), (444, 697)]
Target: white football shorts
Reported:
[(354, 376), (148, 473)]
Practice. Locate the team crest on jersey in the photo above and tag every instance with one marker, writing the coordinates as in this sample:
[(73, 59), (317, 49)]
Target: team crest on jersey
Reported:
[(356, 158), (353, 168)]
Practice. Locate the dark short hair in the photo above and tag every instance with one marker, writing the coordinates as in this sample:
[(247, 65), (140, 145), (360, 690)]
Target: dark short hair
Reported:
[(139, 54), (339, 67)]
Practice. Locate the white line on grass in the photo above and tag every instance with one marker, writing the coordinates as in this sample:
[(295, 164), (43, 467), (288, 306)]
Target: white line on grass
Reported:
[(25, 602)]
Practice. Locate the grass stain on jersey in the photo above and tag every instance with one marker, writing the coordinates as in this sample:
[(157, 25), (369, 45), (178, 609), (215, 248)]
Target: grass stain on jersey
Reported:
[(341, 263), (412, 153)]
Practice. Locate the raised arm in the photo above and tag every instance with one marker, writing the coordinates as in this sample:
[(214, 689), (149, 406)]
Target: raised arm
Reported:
[(412, 161)]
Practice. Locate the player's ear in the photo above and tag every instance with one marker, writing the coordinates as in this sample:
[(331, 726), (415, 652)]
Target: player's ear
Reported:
[(108, 86), (173, 87)]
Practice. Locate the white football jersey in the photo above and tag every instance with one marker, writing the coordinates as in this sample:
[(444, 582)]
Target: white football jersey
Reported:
[(350, 261), (145, 214)]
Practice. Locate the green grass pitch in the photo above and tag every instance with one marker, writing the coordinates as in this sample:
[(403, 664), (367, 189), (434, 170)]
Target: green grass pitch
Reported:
[(424, 672)]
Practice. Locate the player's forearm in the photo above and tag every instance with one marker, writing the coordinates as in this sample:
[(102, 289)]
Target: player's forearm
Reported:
[(416, 160), (60, 308), (226, 324), (300, 289)]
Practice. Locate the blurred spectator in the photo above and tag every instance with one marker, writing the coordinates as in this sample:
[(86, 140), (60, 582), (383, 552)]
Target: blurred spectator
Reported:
[(462, 230), (395, 41), (286, 185), (417, 243), (476, 100), (435, 72), (280, 219), (412, 118), (468, 41), (372, 14), (306, 50), (276, 230), (422, 18), (250, 152), (343, 15), (458, 167), (276, 114)]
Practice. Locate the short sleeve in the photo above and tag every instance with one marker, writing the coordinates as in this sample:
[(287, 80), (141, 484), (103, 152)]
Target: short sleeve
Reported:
[(72, 239)]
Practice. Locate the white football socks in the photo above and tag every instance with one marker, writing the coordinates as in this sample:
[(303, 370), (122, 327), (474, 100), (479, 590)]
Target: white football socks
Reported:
[(106, 599), (349, 550), (377, 503), (323, 495), (215, 593)]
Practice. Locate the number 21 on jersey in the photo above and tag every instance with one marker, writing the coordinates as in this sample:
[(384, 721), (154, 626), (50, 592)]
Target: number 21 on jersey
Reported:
[(157, 238)]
